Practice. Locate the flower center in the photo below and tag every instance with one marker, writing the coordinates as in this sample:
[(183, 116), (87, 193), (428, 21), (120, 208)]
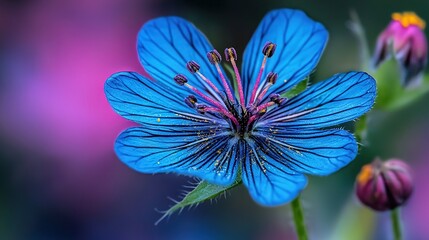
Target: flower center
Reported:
[(222, 103)]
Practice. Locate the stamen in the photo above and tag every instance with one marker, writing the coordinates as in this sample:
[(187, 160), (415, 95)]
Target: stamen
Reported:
[(201, 108), (191, 101), (208, 81), (180, 79), (276, 98), (256, 114), (264, 106), (231, 56), (215, 58), (269, 49), (230, 53), (271, 80), (209, 99), (268, 52), (193, 67)]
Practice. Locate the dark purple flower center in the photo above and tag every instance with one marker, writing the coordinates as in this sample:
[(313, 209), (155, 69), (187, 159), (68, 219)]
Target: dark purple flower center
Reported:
[(222, 103)]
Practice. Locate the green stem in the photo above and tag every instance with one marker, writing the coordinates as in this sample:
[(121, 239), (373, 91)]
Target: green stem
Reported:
[(396, 223), (298, 218)]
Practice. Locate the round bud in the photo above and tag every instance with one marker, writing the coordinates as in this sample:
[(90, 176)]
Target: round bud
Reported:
[(384, 185)]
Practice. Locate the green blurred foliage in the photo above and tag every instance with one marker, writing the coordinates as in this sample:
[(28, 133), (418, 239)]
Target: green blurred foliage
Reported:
[(391, 94)]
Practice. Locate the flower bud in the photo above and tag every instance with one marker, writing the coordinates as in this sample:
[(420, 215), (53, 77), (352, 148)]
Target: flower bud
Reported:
[(384, 185), (405, 36)]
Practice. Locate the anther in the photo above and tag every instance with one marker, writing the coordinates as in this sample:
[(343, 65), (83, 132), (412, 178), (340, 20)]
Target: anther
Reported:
[(230, 53), (269, 49), (272, 78), (193, 67), (191, 101), (180, 79), (214, 56), (276, 98), (201, 108)]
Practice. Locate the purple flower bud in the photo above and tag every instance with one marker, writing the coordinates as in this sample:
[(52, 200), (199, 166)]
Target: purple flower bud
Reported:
[(384, 185), (406, 37), (193, 67)]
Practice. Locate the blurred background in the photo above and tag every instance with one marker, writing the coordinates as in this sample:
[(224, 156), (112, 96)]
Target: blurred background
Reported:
[(59, 176)]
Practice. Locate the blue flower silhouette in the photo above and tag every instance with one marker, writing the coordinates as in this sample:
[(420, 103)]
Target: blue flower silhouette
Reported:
[(195, 123)]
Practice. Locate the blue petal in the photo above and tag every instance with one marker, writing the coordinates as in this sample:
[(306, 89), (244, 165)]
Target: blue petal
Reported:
[(205, 152), (151, 103), (336, 100), (300, 43), (270, 181), (166, 44), (317, 152)]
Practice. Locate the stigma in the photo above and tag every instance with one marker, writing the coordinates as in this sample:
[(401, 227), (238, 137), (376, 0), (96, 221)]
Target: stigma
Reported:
[(223, 101)]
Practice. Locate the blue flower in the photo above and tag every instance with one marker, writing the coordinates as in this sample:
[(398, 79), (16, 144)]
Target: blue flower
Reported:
[(195, 123)]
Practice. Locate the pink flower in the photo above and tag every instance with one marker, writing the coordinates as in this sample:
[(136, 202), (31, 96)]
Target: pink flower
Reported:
[(404, 35)]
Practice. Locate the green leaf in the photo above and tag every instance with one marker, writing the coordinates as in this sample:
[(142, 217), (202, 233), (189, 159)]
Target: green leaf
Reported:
[(391, 94), (202, 192), (297, 89)]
